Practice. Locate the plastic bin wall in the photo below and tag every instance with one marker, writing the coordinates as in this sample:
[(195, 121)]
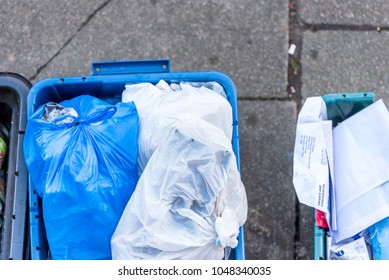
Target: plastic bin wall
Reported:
[(108, 80), (13, 96)]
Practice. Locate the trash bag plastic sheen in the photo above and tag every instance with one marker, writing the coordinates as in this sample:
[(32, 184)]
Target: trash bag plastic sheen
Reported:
[(379, 236), (84, 167), (189, 202)]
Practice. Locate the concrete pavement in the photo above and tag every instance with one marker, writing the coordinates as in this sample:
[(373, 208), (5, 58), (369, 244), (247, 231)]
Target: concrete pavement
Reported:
[(339, 49)]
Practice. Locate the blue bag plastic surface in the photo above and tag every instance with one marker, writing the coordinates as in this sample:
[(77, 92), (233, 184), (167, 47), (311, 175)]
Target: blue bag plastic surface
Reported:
[(85, 169), (379, 236)]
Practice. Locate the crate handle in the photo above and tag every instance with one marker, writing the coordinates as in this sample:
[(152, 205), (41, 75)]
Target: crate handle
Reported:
[(130, 67)]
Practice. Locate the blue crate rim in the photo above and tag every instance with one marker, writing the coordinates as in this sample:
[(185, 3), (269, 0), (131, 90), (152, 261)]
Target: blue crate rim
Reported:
[(174, 77)]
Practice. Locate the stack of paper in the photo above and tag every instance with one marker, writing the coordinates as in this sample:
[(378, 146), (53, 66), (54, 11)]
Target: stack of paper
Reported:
[(312, 163), (360, 171)]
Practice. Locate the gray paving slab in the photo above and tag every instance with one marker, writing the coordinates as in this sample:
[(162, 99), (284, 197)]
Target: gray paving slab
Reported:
[(345, 61), (247, 40), (360, 12), (267, 131), (339, 61), (33, 31), (304, 244)]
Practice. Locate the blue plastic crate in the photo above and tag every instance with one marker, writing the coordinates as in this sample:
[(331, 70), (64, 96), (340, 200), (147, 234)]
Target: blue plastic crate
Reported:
[(340, 106), (107, 80)]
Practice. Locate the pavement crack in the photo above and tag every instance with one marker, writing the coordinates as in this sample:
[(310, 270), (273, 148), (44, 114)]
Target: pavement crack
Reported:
[(296, 31), (342, 27), (248, 98), (83, 24)]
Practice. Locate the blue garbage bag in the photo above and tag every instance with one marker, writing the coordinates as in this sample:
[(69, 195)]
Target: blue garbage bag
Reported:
[(379, 238), (83, 165)]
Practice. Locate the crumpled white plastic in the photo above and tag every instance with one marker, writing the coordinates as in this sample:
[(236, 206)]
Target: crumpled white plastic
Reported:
[(189, 202), (161, 108)]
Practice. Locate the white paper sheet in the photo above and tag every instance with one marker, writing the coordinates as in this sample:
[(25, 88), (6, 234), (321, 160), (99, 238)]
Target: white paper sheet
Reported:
[(310, 162), (361, 170), (354, 250)]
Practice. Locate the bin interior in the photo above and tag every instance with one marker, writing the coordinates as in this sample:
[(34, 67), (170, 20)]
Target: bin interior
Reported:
[(110, 88), (340, 106), (13, 234), (6, 119)]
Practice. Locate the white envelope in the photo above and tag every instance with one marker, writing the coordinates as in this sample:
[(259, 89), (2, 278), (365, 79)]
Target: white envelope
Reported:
[(361, 170)]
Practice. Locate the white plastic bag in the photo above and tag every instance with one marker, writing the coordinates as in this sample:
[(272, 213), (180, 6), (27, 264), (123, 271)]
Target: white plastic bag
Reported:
[(189, 202), (161, 108)]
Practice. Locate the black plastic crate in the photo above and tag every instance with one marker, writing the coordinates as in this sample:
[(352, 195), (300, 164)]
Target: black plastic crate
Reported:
[(13, 233)]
